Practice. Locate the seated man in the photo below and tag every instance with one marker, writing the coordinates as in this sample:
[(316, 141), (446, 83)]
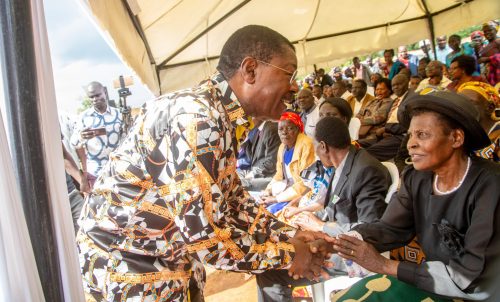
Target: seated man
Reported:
[(390, 137), (260, 149), (309, 111), (355, 195), (435, 78)]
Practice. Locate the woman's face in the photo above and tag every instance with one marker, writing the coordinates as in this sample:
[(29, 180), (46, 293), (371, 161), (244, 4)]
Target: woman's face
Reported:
[(381, 91), (288, 133), (429, 146), (328, 110)]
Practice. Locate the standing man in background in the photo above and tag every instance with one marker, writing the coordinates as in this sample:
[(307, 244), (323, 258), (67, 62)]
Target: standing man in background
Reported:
[(97, 133)]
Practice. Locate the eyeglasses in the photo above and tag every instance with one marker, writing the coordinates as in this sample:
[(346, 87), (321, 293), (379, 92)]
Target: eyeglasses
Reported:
[(291, 74)]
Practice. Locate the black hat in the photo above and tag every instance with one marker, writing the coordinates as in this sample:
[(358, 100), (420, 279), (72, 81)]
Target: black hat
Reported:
[(454, 106)]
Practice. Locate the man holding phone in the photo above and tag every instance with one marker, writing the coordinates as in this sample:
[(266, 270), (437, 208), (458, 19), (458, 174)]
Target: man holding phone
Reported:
[(98, 132)]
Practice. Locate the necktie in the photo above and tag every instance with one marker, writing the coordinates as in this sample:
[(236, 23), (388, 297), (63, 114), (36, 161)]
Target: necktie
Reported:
[(393, 113)]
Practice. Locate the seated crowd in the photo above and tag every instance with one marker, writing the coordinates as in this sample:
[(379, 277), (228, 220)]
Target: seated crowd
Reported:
[(320, 168), (395, 155)]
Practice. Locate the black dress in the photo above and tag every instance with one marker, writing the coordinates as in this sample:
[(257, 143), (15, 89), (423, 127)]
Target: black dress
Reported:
[(458, 232)]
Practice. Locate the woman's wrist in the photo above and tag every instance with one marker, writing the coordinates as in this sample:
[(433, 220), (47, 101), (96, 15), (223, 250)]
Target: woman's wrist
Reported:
[(390, 267)]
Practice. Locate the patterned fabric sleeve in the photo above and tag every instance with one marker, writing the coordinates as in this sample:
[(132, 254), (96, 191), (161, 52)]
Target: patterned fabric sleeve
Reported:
[(218, 221)]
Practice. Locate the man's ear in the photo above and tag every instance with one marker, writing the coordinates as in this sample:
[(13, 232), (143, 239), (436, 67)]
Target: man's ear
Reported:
[(247, 69)]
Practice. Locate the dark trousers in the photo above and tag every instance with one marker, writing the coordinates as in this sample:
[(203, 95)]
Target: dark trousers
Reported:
[(384, 149), (76, 203), (277, 286)]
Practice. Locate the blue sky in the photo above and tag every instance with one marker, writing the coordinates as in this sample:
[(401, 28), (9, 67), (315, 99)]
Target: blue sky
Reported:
[(80, 55)]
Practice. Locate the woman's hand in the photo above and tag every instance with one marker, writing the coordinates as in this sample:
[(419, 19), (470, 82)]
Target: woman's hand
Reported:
[(365, 255), (290, 211), (309, 222)]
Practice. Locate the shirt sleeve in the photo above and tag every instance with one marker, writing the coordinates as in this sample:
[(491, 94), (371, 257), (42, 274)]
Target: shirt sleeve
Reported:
[(76, 139), (461, 275), (395, 228), (220, 224), (379, 112)]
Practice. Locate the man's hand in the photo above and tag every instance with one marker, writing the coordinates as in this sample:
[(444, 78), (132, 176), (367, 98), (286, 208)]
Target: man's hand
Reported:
[(88, 133), (309, 259), (365, 255), (84, 183), (308, 262), (309, 222), (267, 200)]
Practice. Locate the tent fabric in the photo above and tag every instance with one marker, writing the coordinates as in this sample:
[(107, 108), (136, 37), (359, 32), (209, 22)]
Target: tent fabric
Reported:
[(172, 44)]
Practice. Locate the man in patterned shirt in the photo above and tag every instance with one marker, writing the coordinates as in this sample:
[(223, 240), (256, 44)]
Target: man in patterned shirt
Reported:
[(97, 133), (170, 197)]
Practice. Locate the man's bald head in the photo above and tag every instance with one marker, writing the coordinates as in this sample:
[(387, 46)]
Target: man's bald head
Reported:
[(400, 84), (97, 95)]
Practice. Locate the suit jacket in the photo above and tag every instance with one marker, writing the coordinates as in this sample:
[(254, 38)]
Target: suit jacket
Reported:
[(368, 98), (373, 115), (398, 128), (262, 150), (359, 196), (303, 157)]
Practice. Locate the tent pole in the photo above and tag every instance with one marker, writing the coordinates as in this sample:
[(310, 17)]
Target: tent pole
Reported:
[(17, 51), (431, 27)]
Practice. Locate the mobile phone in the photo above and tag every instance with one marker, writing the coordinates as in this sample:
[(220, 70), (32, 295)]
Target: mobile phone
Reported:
[(99, 131)]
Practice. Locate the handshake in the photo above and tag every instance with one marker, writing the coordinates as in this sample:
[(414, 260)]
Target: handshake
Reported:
[(312, 250)]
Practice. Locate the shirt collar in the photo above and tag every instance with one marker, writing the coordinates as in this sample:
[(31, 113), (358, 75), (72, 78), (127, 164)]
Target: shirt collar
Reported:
[(107, 110), (311, 109), (236, 114), (403, 96)]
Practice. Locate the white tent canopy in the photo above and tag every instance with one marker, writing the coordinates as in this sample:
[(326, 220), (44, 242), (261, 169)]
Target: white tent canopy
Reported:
[(172, 44)]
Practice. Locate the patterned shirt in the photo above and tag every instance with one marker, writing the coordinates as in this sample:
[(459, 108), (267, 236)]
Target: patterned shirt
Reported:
[(170, 197), (99, 147)]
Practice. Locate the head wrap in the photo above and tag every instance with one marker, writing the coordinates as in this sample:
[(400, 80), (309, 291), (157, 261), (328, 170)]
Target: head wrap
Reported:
[(484, 89), (475, 33), (294, 118)]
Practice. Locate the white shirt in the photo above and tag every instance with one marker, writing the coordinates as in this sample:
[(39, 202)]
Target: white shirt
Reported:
[(312, 119), (393, 113), (337, 173), (441, 54), (346, 95), (358, 104), (98, 148)]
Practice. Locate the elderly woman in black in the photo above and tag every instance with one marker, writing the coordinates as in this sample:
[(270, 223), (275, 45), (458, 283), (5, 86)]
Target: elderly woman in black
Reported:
[(449, 200)]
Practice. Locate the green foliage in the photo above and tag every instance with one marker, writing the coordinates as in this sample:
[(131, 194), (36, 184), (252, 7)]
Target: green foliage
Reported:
[(464, 33), (85, 104)]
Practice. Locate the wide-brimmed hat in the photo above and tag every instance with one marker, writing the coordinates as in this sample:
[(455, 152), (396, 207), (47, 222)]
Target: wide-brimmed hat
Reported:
[(454, 106)]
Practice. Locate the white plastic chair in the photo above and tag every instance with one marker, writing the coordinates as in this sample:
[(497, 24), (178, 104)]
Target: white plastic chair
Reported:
[(354, 126), (393, 171)]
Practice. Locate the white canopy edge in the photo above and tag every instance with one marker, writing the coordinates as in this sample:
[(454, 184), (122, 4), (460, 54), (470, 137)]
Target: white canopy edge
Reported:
[(118, 28)]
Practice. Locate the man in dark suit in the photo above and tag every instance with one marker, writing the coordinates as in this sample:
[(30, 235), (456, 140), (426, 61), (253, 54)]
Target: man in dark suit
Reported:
[(261, 150), (390, 137), (356, 194), (357, 190)]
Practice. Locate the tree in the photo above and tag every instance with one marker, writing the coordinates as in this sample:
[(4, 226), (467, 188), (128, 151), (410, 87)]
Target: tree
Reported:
[(85, 104)]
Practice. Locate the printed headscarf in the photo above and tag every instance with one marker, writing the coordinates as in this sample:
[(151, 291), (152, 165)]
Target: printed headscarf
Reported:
[(294, 118), (484, 89)]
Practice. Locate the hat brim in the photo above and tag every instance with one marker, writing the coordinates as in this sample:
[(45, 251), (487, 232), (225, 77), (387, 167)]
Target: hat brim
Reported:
[(454, 106)]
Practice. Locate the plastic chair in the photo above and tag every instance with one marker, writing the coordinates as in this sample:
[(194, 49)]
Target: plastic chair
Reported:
[(393, 171)]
